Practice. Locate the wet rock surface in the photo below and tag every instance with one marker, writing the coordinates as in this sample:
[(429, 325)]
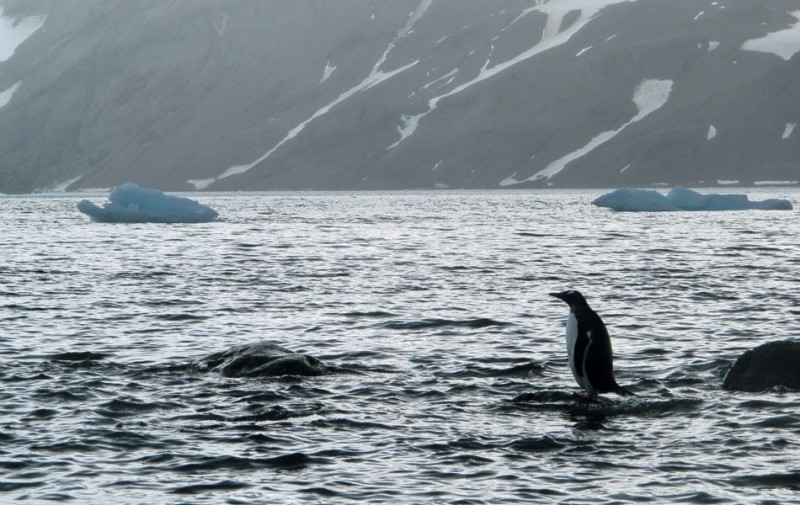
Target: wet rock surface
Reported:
[(261, 359), (776, 364)]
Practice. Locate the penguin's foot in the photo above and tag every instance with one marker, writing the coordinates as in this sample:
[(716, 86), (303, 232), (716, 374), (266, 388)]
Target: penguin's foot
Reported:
[(587, 397)]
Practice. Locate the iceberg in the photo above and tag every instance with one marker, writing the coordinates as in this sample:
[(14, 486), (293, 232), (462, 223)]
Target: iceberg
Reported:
[(129, 203), (682, 199)]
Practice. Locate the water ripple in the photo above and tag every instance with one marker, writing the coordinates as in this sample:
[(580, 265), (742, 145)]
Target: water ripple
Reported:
[(446, 376)]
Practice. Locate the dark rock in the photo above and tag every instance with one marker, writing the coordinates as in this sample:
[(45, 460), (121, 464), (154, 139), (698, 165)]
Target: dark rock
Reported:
[(776, 364), (261, 359)]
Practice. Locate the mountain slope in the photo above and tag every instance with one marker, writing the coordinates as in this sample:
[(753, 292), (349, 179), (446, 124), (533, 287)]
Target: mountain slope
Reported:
[(368, 94)]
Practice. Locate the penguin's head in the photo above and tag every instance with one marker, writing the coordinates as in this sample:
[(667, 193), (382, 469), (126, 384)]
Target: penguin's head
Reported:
[(571, 297)]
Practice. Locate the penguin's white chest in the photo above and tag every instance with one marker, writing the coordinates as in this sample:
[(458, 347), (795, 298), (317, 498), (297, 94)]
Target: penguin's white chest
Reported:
[(572, 340)]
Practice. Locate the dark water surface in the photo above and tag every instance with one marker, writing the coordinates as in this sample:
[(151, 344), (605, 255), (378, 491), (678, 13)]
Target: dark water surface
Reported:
[(450, 381)]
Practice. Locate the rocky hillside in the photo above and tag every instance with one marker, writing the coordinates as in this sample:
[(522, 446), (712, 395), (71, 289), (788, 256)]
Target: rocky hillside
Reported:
[(376, 94)]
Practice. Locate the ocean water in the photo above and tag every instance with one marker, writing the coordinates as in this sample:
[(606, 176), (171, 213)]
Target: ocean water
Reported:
[(450, 382)]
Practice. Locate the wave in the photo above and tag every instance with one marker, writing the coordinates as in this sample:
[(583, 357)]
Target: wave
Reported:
[(429, 323), (225, 485), (290, 461)]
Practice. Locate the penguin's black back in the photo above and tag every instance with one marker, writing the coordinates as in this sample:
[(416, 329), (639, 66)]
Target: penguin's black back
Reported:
[(594, 342)]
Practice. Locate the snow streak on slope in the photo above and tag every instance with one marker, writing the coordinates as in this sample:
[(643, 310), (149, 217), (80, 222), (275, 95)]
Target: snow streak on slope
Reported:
[(375, 77), (327, 72), (552, 36), (14, 32), (649, 96), (784, 43), (6, 95)]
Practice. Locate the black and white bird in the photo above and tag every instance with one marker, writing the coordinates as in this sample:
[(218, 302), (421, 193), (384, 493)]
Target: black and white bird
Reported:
[(589, 348)]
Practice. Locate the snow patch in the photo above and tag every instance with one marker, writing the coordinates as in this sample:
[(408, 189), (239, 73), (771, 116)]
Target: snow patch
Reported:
[(375, 77), (776, 183), (712, 132), (509, 181), (221, 24), (450, 76), (6, 95), (552, 37), (414, 17), (61, 187), (410, 124), (14, 32), (712, 45), (626, 167), (649, 96), (784, 43), (327, 72), (787, 131), (202, 183), (699, 15), (583, 51)]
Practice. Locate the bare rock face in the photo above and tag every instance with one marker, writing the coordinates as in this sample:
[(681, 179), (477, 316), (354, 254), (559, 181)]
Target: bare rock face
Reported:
[(261, 359), (224, 95), (776, 364)]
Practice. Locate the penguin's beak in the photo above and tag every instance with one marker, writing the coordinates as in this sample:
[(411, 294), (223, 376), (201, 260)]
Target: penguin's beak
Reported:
[(556, 295)]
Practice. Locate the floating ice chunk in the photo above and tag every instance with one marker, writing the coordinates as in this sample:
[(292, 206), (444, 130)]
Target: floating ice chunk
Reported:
[(635, 200), (644, 200), (787, 131), (713, 45), (712, 132), (784, 43), (129, 203)]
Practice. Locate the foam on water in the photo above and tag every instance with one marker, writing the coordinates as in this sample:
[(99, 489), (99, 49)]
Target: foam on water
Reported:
[(445, 370)]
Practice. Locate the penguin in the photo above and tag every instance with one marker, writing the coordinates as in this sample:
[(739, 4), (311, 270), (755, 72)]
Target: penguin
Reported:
[(589, 348)]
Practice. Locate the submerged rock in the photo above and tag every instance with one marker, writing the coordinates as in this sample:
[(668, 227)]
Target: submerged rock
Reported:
[(261, 359), (767, 366)]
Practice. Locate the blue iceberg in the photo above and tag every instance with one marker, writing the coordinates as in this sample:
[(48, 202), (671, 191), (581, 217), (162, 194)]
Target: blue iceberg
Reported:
[(647, 200), (129, 203)]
